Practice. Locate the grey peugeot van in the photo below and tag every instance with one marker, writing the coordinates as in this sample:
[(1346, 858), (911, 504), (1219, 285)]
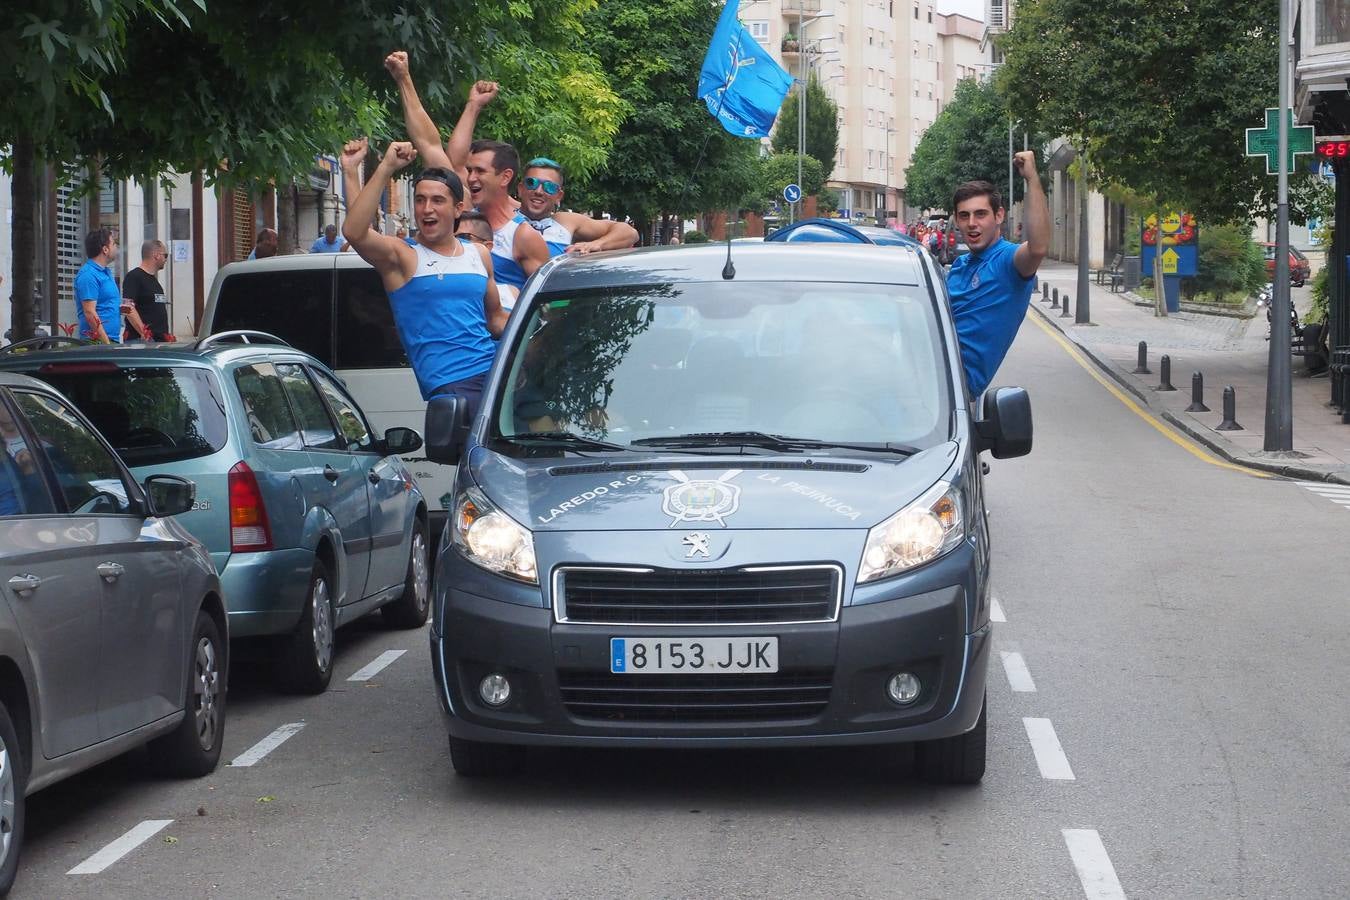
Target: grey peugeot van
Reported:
[(721, 497)]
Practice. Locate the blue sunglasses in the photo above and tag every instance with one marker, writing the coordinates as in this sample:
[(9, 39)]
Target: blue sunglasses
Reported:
[(550, 187)]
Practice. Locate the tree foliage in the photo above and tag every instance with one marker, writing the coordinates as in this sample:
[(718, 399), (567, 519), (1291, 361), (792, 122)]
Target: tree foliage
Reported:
[(967, 142), (1161, 102), (1230, 262), (822, 125)]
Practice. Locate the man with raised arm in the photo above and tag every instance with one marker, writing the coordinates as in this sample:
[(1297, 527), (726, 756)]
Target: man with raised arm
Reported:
[(441, 291), (990, 287), (541, 193)]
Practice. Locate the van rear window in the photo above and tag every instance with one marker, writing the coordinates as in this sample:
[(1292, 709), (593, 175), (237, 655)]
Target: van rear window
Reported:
[(151, 415), (296, 306), (367, 337)]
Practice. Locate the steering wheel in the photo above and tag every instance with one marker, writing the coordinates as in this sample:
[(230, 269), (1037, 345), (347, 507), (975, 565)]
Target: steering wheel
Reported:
[(148, 437), (44, 343)]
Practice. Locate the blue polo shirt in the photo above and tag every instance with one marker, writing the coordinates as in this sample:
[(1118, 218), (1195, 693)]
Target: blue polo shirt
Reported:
[(989, 299), (321, 245), (96, 282)]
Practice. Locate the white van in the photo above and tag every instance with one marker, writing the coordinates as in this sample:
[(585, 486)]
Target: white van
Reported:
[(333, 306)]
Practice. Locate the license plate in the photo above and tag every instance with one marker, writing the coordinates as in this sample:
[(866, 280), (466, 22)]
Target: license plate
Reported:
[(725, 656)]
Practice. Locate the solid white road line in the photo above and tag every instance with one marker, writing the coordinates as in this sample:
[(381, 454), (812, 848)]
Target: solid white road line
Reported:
[(267, 744), (120, 847), (377, 665), (996, 611), (1094, 866), (1019, 678), (1050, 756)]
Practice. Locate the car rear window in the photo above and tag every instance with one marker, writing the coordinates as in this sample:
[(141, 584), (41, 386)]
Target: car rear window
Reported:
[(150, 414), (295, 305)]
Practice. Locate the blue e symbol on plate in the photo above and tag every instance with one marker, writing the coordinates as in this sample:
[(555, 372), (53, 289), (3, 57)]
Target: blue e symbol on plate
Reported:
[(792, 193), (616, 655)]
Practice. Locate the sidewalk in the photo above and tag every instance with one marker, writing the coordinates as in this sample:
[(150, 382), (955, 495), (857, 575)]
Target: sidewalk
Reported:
[(1227, 351)]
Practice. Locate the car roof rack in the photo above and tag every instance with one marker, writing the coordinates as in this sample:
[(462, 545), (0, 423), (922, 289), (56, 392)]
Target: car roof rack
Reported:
[(242, 336), (44, 343)]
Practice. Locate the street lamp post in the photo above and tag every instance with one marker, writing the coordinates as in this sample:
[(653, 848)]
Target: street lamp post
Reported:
[(801, 92), (1279, 432)]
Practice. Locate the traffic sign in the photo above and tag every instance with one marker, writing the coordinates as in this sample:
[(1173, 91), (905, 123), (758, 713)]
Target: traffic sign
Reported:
[(1169, 261), (792, 193), (1266, 141)]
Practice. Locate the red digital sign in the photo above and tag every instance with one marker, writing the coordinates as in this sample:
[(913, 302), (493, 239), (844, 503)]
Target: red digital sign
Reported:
[(1333, 148)]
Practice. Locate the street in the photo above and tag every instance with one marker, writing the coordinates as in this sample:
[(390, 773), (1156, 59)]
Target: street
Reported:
[(1164, 720)]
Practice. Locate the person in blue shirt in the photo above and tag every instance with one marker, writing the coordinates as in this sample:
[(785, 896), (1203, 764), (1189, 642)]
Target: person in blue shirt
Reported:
[(990, 287), (541, 193), (98, 299), (327, 242), (441, 290)]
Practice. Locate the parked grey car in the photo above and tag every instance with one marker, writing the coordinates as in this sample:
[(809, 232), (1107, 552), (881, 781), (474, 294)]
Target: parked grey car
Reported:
[(112, 625), (311, 518)]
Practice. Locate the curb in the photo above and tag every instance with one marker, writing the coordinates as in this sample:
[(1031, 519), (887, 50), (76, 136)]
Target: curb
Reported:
[(1202, 436)]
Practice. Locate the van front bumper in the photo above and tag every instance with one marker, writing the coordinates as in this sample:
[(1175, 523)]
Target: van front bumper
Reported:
[(851, 659)]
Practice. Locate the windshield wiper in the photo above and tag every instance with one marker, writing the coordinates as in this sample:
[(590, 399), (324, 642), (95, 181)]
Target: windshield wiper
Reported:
[(770, 441), (561, 439)]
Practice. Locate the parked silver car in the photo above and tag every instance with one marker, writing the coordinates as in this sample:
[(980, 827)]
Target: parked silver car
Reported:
[(112, 626)]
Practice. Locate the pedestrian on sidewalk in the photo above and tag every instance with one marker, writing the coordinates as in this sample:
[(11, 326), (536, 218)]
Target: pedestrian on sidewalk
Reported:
[(98, 300), (991, 286)]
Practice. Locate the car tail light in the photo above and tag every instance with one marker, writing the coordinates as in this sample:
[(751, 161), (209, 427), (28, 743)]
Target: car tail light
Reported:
[(249, 529)]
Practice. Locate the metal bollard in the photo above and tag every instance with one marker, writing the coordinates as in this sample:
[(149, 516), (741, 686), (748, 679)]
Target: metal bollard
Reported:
[(1229, 422), (1064, 311), (1054, 304), (1165, 380), (1142, 367), (1045, 292), (1197, 394)]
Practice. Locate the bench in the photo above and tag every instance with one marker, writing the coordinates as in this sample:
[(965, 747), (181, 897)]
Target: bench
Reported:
[(1113, 271)]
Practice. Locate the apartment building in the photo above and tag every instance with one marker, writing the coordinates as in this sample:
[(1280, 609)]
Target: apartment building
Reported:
[(889, 65)]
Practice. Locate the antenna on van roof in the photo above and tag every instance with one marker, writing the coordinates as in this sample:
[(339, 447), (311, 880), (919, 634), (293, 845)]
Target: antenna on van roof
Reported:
[(729, 270)]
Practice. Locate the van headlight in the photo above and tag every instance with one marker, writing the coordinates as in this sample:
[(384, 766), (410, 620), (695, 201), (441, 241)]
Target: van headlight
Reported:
[(492, 539), (919, 533)]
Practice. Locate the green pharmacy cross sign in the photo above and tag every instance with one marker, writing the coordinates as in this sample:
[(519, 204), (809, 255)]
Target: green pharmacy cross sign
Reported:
[(1266, 141)]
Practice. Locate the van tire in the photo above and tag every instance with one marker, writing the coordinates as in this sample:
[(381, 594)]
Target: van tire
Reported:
[(410, 610), (954, 760), (474, 759), (306, 666), (181, 753), (14, 777)]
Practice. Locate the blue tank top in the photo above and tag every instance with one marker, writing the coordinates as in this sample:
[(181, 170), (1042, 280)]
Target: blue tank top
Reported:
[(555, 234), (440, 319), (504, 266)]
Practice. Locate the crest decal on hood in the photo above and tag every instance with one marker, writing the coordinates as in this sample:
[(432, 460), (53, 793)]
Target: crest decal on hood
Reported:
[(701, 501)]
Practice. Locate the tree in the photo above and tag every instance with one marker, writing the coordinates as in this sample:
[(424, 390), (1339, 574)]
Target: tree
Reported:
[(776, 172), (670, 157), (967, 142), (822, 124)]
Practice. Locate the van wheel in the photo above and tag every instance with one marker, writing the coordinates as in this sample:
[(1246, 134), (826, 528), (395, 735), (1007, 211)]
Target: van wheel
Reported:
[(13, 780), (193, 748), (306, 665), (473, 759), (410, 610), (954, 760)]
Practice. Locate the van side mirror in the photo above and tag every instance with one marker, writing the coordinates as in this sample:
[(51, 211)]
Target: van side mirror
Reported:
[(447, 428), (399, 440), (169, 495), (1005, 429)]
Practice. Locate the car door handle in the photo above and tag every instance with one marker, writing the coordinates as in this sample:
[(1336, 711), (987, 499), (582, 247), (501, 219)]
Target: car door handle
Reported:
[(373, 477), (24, 584), (111, 570), (330, 473)]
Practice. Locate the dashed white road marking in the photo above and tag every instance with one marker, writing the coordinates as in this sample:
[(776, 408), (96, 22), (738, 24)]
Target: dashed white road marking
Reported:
[(121, 847), (996, 611), (1019, 677), (1050, 758), (274, 740), (377, 665), (1336, 493), (1094, 867)]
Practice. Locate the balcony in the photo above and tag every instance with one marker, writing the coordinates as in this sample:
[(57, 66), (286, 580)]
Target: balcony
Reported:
[(793, 8)]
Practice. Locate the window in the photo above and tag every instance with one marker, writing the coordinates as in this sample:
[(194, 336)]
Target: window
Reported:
[(758, 30), (871, 77), (295, 305), (916, 49), (350, 420), (892, 81), (869, 159), (930, 90), (150, 414), (1332, 23), (841, 35), (870, 34), (915, 85), (90, 478), (930, 52), (23, 491), (916, 12), (869, 118), (939, 70), (266, 410), (930, 15), (367, 337), (316, 429)]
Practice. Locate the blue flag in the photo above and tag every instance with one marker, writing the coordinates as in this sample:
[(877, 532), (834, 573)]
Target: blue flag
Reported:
[(740, 82)]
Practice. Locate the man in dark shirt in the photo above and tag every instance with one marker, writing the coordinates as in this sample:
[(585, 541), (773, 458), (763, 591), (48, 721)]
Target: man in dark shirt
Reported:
[(149, 316)]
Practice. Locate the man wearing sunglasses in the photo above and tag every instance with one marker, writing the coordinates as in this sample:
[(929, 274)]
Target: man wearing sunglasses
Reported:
[(541, 193)]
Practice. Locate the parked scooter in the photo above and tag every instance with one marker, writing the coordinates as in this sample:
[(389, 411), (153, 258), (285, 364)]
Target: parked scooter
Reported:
[(1265, 299)]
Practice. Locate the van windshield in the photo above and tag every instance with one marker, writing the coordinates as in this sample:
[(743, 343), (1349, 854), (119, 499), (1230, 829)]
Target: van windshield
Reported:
[(861, 364)]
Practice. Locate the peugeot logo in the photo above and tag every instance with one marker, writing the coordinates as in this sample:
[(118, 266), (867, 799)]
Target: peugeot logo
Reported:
[(697, 542)]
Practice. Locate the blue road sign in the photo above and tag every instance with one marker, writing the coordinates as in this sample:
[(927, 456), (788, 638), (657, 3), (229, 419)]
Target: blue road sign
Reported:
[(792, 193), (1186, 262)]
